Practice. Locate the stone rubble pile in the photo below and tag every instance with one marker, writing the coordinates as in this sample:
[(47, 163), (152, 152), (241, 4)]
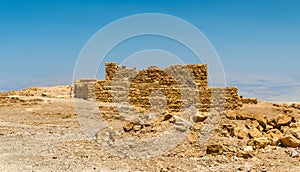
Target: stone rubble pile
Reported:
[(257, 131)]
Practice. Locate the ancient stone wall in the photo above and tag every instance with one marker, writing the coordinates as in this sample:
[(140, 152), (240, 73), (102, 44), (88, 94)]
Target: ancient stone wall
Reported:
[(174, 88), (85, 88)]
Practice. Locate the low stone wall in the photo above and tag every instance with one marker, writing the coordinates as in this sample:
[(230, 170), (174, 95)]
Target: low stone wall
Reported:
[(174, 88)]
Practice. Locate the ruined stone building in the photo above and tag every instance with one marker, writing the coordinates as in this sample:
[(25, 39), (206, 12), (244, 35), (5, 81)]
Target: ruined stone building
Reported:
[(177, 86)]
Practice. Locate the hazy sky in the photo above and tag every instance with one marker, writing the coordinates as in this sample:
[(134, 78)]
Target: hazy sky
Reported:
[(41, 39)]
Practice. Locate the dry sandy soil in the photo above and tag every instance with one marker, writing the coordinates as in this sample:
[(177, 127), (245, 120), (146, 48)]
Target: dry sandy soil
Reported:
[(39, 131)]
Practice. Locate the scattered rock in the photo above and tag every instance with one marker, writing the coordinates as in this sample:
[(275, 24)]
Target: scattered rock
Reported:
[(248, 149), (262, 120), (284, 129), (294, 153), (296, 133), (198, 126), (167, 116), (172, 120), (268, 127), (260, 142), (295, 125), (290, 141), (137, 127), (283, 120), (252, 124), (214, 149), (128, 126), (274, 133), (244, 116), (192, 138), (274, 136), (272, 122), (200, 117), (46, 95), (287, 111), (254, 133), (244, 154), (228, 129), (231, 115), (240, 133), (295, 105)]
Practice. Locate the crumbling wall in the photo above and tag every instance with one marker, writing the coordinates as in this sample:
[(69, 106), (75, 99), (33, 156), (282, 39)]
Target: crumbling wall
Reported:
[(85, 88), (175, 87)]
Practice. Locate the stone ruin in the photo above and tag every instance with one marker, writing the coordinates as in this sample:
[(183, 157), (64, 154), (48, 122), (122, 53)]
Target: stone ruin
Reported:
[(172, 86)]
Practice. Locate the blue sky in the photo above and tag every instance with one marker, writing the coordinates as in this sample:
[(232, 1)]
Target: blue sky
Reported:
[(41, 40)]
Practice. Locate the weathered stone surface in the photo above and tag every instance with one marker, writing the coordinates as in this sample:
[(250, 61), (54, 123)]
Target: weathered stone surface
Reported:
[(122, 84), (214, 149), (198, 126), (252, 124), (283, 120), (231, 115), (244, 116), (137, 127), (262, 120), (268, 127), (284, 129), (240, 133), (85, 88), (290, 141), (248, 149), (295, 132), (243, 154), (294, 153), (45, 94), (295, 125), (274, 136), (200, 117), (249, 100), (128, 126), (167, 116), (274, 133), (228, 129), (260, 142), (254, 133), (192, 138)]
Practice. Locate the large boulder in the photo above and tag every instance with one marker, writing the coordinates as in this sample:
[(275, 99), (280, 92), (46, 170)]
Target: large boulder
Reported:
[(274, 136), (254, 133), (290, 141), (283, 120), (262, 120), (259, 143)]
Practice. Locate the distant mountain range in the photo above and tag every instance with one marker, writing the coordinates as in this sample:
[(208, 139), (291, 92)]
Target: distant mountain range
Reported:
[(273, 88)]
